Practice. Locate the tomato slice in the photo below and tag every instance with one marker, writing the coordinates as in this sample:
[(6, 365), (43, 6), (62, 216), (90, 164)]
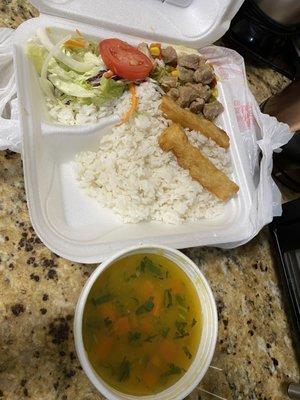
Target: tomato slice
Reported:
[(125, 60)]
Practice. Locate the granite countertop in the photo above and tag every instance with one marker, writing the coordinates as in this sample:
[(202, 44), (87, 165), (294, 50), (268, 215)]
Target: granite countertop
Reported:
[(254, 355)]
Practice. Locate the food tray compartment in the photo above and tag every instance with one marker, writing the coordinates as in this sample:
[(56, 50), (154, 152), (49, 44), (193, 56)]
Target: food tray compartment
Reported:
[(76, 226)]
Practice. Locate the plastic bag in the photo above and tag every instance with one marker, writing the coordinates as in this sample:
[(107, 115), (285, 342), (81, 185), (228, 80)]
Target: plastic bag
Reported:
[(9, 121), (261, 133)]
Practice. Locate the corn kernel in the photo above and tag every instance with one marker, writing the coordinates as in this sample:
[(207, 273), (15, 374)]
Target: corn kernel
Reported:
[(175, 73), (169, 68), (214, 92), (155, 51)]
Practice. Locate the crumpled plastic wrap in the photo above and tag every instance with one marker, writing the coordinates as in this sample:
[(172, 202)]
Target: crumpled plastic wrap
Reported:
[(9, 121), (261, 133)]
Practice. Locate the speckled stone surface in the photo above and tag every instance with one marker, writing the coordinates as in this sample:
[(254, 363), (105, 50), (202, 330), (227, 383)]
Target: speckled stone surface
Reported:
[(38, 292)]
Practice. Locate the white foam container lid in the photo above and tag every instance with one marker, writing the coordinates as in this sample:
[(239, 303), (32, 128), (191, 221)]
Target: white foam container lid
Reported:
[(71, 224)]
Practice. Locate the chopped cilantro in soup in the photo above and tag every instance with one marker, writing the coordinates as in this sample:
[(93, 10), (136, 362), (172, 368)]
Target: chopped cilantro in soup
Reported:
[(142, 324)]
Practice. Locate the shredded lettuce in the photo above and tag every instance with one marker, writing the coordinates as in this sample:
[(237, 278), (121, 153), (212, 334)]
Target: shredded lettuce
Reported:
[(64, 72), (60, 54), (59, 70), (70, 88), (89, 57), (45, 83), (109, 90), (37, 54)]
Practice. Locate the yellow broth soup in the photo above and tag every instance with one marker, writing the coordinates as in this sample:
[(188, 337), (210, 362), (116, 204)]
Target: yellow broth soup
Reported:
[(142, 324)]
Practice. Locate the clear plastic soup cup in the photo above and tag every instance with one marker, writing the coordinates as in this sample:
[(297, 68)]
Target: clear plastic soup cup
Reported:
[(205, 352)]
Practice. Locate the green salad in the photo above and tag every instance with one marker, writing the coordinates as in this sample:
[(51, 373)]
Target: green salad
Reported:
[(72, 70)]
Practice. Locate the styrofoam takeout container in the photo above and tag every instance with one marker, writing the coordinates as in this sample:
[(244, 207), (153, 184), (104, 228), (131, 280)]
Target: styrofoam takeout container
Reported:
[(208, 338), (67, 221)]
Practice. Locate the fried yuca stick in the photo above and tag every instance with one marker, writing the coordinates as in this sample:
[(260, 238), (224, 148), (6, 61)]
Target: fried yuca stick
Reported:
[(200, 168), (187, 119)]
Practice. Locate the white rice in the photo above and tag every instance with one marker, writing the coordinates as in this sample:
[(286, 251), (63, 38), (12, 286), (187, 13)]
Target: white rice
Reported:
[(76, 113), (130, 174)]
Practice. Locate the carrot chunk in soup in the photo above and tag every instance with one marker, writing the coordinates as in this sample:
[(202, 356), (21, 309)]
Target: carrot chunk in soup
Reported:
[(122, 326), (103, 347)]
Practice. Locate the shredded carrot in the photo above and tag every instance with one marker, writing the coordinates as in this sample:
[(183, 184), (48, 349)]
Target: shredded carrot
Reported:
[(108, 74), (76, 43), (133, 105)]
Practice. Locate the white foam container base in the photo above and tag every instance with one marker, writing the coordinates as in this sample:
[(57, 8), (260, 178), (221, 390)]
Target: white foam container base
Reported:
[(75, 226)]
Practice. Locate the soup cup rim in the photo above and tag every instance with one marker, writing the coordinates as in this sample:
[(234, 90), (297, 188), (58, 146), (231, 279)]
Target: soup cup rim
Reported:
[(105, 389)]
